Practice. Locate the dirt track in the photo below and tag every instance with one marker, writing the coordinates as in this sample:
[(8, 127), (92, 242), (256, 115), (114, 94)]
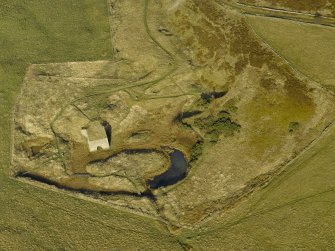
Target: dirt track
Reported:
[(278, 13)]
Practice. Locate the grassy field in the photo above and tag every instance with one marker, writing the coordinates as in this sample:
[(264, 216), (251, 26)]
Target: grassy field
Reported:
[(295, 212), (309, 6), (309, 48), (35, 219)]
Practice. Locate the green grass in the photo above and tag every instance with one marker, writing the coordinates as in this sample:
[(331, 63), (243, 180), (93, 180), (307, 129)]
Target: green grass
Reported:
[(309, 48)]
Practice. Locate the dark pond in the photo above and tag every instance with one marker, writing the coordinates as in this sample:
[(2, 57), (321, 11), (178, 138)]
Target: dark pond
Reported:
[(108, 130), (176, 172)]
